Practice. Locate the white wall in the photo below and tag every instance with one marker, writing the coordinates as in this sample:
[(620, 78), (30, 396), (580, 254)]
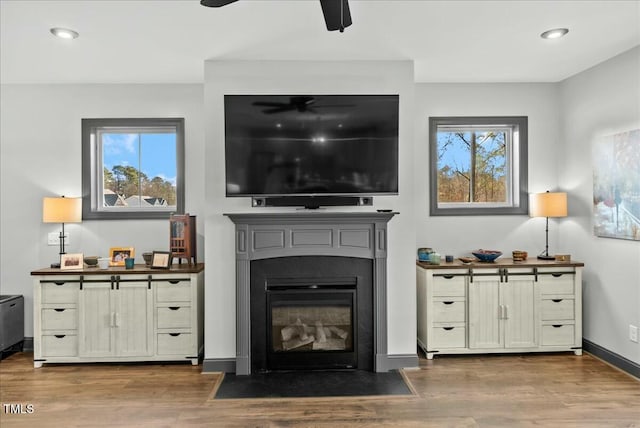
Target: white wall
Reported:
[(40, 147), (299, 77), (601, 101), (40, 155), (459, 235)]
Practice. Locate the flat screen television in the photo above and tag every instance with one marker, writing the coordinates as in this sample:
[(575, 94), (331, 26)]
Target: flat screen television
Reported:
[(311, 145)]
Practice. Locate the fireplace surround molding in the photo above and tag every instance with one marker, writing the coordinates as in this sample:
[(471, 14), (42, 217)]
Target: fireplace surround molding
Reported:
[(347, 234)]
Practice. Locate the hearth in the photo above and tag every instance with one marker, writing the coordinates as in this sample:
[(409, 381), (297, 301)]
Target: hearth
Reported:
[(310, 313)]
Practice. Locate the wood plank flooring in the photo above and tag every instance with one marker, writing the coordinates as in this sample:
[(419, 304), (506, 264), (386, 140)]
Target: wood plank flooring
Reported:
[(548, 390)]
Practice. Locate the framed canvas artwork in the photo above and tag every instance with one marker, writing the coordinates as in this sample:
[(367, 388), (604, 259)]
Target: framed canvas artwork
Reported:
[(616, 186)]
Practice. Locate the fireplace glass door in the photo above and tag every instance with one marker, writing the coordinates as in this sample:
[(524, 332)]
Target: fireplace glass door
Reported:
[(311, 328)]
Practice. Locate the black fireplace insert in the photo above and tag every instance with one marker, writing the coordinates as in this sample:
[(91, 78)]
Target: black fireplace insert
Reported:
[(306, 321)]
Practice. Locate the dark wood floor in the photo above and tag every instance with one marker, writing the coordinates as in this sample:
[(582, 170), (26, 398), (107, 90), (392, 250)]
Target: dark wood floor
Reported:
[(559, 390)]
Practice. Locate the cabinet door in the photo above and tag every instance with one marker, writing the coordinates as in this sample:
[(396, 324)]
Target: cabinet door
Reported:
[(96, 320), (485, 326), (519, 296), (133, 320)]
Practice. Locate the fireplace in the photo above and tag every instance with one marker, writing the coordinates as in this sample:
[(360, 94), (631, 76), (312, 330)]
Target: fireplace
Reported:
[(310, 313), (331, 269)]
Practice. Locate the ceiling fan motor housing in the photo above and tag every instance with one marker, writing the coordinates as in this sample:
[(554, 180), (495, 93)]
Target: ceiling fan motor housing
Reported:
[(336, 12)]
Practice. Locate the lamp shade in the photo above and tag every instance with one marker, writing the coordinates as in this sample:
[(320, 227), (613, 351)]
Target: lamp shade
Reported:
[(548, 204), (61, 210)]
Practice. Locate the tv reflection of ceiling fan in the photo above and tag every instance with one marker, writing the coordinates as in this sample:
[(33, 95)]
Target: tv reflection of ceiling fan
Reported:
[(301, 103), (336, 12)]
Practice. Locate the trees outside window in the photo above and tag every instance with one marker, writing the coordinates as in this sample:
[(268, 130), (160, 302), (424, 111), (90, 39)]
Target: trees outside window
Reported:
[(478, 165), (132, 168)]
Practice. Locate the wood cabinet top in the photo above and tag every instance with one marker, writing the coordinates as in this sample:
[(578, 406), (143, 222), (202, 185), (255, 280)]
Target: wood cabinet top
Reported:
[(115, 270), (500, 263)]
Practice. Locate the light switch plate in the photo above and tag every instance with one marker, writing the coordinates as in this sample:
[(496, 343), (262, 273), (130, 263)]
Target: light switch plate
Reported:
[(53, 238)]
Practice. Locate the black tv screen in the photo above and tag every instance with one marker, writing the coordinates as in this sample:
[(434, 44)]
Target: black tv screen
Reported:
[(301, 145)]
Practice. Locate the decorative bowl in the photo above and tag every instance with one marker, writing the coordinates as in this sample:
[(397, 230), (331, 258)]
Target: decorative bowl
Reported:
[(487, 256), (147, 258), (91, 261)]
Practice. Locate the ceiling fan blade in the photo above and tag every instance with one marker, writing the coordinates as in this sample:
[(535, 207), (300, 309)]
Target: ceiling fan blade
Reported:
[(216, 3), (269, 104), (277, 110), (336, 14)]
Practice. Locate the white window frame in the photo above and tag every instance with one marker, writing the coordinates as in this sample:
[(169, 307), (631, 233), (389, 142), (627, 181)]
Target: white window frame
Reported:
[(516, 160), (93, 172)]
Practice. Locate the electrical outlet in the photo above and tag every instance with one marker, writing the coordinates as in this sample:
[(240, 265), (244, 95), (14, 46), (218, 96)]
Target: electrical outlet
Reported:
[(633, 333), (53, 238)]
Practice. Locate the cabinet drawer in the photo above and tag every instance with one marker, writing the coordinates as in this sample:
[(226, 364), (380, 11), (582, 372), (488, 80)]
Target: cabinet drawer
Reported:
[(449, 311), (448, 337), (59, 319), (558, 309), (449, 286), (174, 317), (168, 292), (60, 345), (175, 343), (558, 334), (562, 284), (64, 292)]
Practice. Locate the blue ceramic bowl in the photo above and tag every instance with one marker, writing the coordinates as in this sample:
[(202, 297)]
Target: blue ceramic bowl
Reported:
[(487, 255)]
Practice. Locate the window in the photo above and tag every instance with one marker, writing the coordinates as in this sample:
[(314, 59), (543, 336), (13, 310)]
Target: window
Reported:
[(132, 168), (478, 165)]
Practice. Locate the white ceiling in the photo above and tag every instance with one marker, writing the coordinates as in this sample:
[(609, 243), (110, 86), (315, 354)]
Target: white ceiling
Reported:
[(162, 41)]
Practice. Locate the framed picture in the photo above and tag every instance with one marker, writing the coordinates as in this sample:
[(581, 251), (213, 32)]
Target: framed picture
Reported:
[(71, 261), (118, 254), (161, 259)]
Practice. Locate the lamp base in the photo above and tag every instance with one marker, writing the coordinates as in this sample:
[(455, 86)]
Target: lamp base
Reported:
[(544, 257), (55, 265)]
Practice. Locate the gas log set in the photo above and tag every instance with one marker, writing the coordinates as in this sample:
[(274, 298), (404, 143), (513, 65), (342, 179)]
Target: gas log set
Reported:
[(301, 336)]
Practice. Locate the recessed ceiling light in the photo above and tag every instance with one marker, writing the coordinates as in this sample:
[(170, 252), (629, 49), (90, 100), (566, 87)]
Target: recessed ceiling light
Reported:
[(64, 33), (556, 33)]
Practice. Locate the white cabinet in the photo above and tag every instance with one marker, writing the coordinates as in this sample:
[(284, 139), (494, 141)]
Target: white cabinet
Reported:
[(561, 311), (175, 314), (117, 315), (503, 312), (57, 314), (503, 307)]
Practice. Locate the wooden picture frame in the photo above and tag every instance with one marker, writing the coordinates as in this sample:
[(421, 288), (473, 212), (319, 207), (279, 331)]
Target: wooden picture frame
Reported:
[(161, 260), (118, 254), (73, 261)]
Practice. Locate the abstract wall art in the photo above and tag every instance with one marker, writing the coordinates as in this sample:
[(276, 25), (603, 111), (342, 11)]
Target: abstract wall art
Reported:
[(616, 186)]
